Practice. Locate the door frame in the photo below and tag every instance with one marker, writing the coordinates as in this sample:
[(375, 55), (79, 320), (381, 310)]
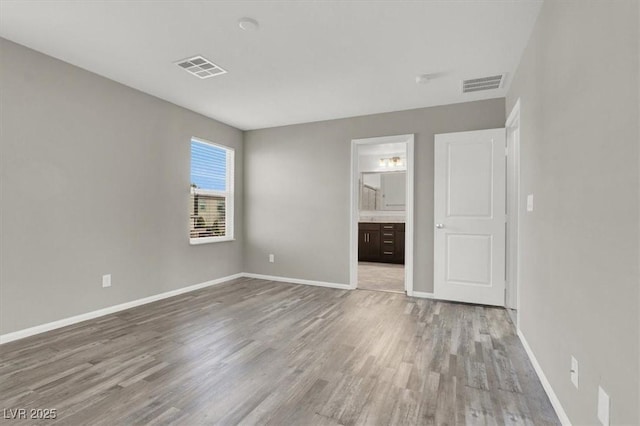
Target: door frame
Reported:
[(512, 281), (409, 211)]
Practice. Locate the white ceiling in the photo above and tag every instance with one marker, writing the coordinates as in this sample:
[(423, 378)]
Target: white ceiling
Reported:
[(309, 60)]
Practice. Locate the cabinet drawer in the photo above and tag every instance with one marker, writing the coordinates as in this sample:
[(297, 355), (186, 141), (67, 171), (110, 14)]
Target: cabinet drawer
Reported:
[(392, 227), (369, 226), (388, 255)]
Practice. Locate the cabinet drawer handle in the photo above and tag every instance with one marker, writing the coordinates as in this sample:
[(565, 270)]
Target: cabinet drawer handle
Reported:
[(388, 242), (388, 252), (388, 234), (388, 227)]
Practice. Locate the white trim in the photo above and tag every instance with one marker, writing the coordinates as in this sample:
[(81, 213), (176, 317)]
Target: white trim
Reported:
[(555, 402), (385, 213), (423, 295), (298, 281), (209, 192), (207, 240), (408, 235), (31, 331), (230, 214), (20, 334), (409, 225), (515, 114), (355, 217), (512, 125)]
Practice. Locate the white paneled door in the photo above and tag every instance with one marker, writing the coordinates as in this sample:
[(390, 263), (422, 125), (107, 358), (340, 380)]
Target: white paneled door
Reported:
[(469, 225)]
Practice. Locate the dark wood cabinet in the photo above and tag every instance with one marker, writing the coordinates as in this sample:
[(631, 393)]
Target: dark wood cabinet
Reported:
[(369, 242), (381, 242)]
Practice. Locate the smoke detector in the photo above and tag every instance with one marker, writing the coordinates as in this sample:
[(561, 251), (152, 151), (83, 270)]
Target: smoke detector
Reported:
[(248, 24), (423, 78), (483, 83), (200, 67)]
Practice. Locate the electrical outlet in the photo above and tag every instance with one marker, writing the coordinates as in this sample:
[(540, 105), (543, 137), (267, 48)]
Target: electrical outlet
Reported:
[(272, 258), (603, 406), (106, 280), (574, 372)]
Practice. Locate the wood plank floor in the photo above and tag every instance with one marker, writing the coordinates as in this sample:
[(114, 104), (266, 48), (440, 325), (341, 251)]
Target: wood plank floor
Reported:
[(381, 276), (262, 352)]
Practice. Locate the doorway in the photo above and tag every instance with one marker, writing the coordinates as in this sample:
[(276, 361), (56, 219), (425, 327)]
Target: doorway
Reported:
[(382, 182), (477, 211)]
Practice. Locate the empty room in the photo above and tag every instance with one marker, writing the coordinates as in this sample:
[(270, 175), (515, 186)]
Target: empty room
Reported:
[(320, 212)]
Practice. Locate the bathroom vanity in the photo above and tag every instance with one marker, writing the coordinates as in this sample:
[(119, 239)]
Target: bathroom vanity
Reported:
[(381, 242)]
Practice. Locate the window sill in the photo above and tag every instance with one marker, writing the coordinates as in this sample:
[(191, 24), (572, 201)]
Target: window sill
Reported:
[(208, 240)]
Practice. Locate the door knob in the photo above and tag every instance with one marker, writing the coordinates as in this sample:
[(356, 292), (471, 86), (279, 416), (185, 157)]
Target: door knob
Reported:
[(439, 225)]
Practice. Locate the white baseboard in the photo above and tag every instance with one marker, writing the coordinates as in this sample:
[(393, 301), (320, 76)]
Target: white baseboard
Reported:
[(298, 281), (422, 294), (20, 334), (562, 415)]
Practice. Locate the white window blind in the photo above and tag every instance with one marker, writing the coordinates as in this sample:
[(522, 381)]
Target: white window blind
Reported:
[(211, 201)]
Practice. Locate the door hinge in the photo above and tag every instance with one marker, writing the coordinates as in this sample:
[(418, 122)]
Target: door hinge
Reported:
[(506, 151)]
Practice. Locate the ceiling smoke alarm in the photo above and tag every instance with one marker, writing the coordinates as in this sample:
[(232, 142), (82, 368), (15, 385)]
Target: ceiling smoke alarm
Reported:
[(423, 78), (248, 24)]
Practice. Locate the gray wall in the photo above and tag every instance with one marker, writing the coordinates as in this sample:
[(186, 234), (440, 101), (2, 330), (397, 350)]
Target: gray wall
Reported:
[(578, 85), (297, 188), (95, 180)]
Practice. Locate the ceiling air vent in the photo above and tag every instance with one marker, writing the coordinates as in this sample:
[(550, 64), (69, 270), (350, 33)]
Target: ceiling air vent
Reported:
[(200, 67), (484, 83)]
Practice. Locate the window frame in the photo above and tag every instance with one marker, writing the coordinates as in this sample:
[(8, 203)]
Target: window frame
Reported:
[(228, 194)]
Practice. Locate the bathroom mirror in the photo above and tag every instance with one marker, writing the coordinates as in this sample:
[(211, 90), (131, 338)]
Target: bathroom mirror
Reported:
[(383, 191)]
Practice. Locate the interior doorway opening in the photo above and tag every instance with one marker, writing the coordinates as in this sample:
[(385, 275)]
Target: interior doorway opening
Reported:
[(382, 214)]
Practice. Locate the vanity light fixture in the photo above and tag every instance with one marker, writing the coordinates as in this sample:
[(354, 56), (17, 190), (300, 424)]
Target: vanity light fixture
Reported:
[(391, 162)]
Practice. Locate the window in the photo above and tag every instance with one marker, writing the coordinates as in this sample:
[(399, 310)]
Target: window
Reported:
[(211, 201)]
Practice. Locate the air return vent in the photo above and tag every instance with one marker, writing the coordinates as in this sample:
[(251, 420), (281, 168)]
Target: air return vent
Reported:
[(484, 83), (200, 67)]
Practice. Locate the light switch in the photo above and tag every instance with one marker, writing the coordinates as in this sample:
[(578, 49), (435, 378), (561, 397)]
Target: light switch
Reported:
[(574, 372), (106, 280), (603, 406), (530, 202)]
